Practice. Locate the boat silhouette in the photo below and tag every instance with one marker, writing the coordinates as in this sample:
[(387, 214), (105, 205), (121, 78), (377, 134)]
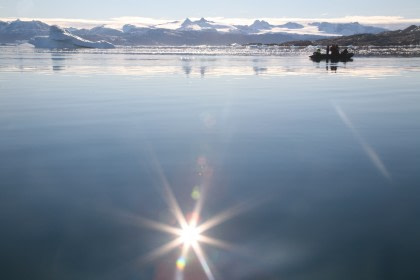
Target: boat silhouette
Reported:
[(341, 57)]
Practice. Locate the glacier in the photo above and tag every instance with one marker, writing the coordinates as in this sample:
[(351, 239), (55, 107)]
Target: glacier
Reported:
[(61, 39)]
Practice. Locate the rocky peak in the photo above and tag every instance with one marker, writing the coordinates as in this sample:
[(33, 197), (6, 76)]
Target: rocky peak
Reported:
[(186, 22), (260, 24), (412, 28)]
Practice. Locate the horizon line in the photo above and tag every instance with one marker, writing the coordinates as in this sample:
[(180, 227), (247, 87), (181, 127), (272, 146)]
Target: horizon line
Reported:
[(117, 22)]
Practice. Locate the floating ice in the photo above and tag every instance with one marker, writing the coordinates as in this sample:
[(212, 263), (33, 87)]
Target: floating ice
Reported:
[(62, 39)]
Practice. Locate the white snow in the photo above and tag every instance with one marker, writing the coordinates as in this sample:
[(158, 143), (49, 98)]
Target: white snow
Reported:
[(60, 38), (201, 25), (257, 27)]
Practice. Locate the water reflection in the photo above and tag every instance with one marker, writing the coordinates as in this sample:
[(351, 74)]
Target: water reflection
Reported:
[(187, 70), (332, 68), (370, 152), (342, 180), (133, 64), (203, 71), (58, 61), (259, 70)]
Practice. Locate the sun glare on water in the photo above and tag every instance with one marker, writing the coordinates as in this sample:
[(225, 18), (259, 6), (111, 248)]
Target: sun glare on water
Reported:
[(189, 235)]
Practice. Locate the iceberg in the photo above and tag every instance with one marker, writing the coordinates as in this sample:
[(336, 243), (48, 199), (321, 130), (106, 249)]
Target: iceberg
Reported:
[(61, 39)]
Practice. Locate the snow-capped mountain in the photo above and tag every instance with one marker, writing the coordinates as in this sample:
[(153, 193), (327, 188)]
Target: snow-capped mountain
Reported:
[(102, 30), (291, 25), (191, 32), (130, 28), (256, 27), (204, 25), (3, 24), (260, 25)]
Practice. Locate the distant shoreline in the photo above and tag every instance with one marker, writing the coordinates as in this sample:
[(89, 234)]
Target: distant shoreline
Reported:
[(406, 37), (237, 50)]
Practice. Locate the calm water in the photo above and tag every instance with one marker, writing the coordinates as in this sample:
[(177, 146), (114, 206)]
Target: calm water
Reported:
[(320, 162)]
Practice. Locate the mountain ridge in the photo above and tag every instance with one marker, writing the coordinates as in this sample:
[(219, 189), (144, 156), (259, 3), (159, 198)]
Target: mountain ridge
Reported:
[(408, 36), (187, 32)]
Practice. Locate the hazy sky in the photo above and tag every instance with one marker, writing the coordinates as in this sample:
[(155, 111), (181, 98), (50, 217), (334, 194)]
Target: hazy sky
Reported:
[(177, 9)]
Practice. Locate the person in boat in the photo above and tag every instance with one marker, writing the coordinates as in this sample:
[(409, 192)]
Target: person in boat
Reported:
[(332, 49), (318, 52), (335, 50), (345, 52)]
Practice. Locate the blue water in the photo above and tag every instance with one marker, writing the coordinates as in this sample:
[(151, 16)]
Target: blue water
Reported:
[(323, 160)]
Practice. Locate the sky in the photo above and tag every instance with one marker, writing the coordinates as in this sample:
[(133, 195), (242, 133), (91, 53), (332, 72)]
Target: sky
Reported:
[(179, 9)]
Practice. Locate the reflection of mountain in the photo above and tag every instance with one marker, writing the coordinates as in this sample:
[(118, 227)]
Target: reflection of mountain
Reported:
[(58, 61), (190, 32), (259, 70), (187, 69), (87, 61), (203, 71)]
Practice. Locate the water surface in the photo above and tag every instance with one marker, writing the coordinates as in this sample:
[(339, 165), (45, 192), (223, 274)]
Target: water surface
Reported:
[(325, 159)]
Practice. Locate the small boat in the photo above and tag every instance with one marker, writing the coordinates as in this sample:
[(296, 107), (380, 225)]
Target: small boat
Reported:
[(341, 57)]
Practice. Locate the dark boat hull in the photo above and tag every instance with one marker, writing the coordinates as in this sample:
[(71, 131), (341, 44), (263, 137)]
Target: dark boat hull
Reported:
[(341, 57)]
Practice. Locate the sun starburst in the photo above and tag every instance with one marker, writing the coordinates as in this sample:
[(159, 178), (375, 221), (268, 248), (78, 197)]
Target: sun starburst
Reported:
[(190, 233)]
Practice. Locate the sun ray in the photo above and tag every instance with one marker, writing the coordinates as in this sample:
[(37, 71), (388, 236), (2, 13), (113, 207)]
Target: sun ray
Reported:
[(182, 262), (189, 235), (159, 226), (224, 216), (215, 242), (200, 201), (173, 204), (169, 196), (198, 207), (162, 250), (143, 222), (203, 261), (185, 248), (370, 152)]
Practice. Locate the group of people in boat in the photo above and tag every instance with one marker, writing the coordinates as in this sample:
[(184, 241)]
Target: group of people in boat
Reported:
[(333, 50)]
